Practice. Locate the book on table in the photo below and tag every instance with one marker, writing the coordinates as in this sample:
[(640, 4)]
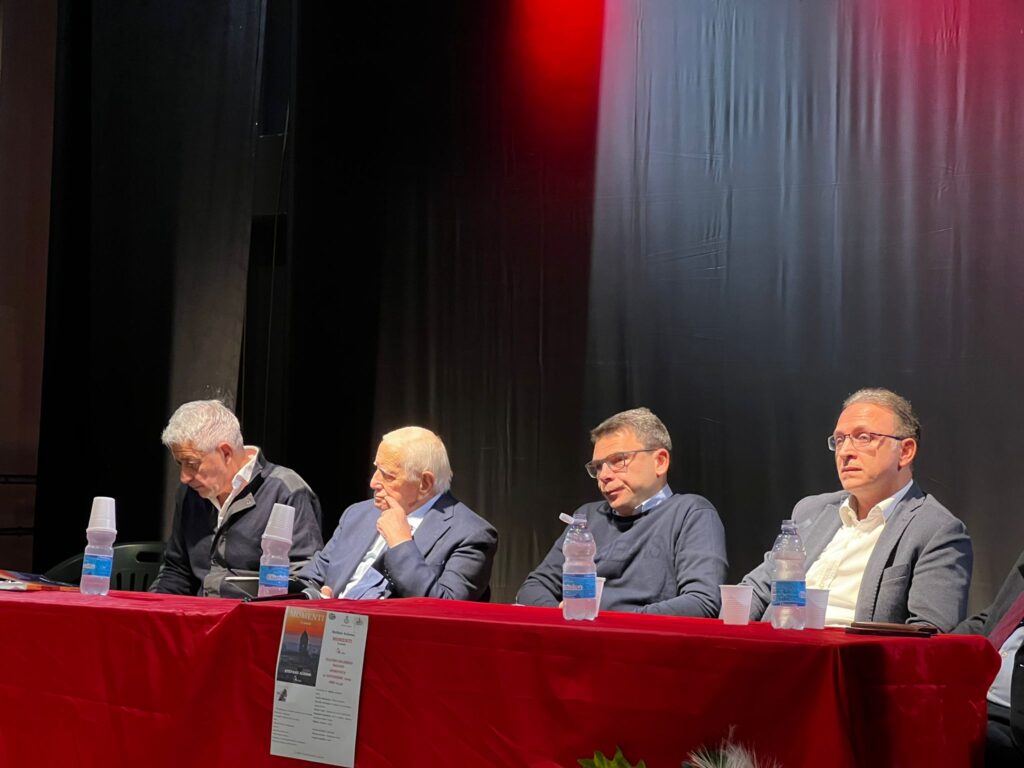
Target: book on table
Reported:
[(19, 581)]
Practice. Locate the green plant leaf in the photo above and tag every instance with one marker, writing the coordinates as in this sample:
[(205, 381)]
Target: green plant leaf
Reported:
[(600, 761)]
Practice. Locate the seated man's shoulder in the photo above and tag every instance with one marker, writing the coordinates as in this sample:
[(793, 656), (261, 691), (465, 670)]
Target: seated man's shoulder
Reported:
[(930, 512), (811, 507), (464, 514), (687, 502), (359, 509), (289, 478)]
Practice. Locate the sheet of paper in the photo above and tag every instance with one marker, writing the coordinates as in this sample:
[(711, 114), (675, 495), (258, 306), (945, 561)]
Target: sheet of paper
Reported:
[(316, 688)]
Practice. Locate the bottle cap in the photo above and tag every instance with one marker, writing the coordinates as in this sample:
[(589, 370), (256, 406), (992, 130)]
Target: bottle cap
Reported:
[(102, 517), (280, 524)]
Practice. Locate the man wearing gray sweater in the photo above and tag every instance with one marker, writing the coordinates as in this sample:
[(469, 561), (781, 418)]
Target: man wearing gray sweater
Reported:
[(659, 552)]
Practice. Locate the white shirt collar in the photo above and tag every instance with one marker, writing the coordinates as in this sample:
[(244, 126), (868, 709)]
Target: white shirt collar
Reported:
[(880, 513), (241, 479), (416, 517)]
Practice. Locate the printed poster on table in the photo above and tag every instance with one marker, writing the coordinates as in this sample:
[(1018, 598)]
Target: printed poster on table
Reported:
[(316, 688)]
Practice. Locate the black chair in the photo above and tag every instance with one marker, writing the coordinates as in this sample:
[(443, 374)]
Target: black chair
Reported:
[(134, 568)]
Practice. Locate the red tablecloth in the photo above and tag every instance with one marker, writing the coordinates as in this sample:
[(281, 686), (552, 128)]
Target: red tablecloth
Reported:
[(149, 680)]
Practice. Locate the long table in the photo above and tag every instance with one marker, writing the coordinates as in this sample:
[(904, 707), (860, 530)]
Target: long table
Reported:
[(134, 679)]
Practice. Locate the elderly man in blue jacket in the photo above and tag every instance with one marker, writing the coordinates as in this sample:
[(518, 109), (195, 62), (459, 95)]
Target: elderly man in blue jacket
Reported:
[(412, 538)]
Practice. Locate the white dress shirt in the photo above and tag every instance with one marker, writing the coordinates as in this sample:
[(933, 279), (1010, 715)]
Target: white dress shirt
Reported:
[(840, 567), (241, 479), (999, 693)]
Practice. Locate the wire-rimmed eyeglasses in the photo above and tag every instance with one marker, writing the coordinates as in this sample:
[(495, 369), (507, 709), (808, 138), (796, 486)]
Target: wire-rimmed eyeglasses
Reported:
[(617, 462), (858, 440)]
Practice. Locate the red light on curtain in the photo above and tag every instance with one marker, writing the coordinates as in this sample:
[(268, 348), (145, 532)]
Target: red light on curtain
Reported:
[(555, 55)]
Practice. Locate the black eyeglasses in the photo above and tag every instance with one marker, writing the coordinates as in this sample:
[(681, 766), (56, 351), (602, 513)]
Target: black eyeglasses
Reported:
[(617, 462), (860, 440)]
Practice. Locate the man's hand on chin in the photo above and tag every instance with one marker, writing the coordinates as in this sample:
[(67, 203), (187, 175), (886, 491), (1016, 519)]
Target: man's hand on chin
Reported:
[(393, 523)]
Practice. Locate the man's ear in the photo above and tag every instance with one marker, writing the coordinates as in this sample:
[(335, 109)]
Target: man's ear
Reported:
[(427, 483), (662, 459), (908, 450), (226, 451)]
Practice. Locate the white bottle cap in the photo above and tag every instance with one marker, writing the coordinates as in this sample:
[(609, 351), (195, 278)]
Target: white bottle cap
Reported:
[(279, 526), (102, 517)]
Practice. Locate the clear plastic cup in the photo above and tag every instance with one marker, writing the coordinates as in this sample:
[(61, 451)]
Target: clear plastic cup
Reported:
[(103, 517), (280, 523), (817, 605), (736, 603)]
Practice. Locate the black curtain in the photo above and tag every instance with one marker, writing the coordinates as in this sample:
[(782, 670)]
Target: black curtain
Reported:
[(804, 199), (441, 249), (150, 220), (506, 221), (770, 207)]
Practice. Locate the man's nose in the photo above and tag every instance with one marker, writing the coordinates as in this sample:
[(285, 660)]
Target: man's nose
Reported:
[(185, 475), (604, 473)]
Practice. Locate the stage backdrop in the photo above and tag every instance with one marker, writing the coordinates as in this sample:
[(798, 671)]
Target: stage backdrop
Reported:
[(510, 220), (790, 201)]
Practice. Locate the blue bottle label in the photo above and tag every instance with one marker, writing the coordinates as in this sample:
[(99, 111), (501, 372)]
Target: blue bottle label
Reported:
[(97, 565), (274, 576), (579, 585), (789, 593)]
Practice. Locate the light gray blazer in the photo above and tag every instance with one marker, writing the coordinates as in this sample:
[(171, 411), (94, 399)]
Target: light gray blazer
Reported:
[(918, 573)]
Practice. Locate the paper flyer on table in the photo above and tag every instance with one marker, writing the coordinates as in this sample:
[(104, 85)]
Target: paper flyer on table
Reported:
[(316, 688)]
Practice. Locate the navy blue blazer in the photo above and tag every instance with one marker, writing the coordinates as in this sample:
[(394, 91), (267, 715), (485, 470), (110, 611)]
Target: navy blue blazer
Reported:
[(450, 555)]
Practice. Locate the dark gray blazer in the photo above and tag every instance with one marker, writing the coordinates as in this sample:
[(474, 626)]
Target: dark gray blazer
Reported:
[(985, 622), (450, 555), (918, 573)]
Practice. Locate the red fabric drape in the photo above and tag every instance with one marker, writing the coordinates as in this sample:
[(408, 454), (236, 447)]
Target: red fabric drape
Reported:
[(136, 679)]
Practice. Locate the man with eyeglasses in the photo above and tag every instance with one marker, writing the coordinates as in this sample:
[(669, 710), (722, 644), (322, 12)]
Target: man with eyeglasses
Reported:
[(413, 538), (659, 552), (222, 506), (885, 549)]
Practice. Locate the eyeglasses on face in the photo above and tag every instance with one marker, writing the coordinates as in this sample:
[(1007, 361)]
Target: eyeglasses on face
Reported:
[(858, 440), (617, 462)]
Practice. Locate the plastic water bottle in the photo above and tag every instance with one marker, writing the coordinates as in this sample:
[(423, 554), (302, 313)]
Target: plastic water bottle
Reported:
[(276, 543), (99, 553), (789, 590), (579, 574)]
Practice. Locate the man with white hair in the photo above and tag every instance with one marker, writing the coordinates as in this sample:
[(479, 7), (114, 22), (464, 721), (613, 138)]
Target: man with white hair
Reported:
[(222, 506), (413, 538)]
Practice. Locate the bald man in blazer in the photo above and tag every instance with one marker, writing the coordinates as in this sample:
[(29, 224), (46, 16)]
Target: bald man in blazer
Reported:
[(413, 538)]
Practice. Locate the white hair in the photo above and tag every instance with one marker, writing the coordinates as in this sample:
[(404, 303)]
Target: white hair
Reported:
[(203, 424), (421, 451)]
